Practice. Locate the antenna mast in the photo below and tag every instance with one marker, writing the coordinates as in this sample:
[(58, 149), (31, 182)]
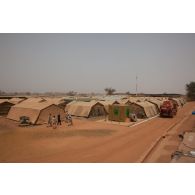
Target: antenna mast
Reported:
[(136, 84)]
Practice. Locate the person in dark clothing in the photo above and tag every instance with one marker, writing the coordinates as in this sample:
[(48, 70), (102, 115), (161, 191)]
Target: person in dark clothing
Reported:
[(49, 124), (59, 120)]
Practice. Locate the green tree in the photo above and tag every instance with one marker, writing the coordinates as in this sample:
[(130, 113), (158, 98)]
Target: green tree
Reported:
[(190, 89), (109, 91)]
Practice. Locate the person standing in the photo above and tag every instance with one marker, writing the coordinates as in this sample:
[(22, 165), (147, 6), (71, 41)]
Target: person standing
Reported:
[(132, 117), (49, 121), (66, 116), (54, 122), (70, 123), (59, 120)]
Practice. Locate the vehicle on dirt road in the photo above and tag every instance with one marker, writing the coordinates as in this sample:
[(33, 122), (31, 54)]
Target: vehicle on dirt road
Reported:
[(168, 109)]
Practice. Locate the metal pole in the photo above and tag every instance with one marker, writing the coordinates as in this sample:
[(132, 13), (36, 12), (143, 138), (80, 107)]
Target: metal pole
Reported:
[(136, 85)]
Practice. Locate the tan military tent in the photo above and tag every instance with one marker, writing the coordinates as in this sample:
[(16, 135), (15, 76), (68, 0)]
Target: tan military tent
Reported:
[(5, 106), (156, 102), (143, 109), (106, 103), (57, 101), (182, 101), (125, 101), (86, 109), (38, 112), (34, 100), (16, 100), (4, 100), (176, 101)]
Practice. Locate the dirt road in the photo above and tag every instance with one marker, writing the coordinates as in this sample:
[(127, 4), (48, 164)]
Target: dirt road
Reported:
[(86, 141)]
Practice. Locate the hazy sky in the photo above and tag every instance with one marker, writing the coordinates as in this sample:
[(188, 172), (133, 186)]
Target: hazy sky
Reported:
[(92, 62)]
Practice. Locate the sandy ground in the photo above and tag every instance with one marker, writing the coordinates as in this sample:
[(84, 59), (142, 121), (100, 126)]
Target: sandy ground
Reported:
[(170, 143), (90, 141)]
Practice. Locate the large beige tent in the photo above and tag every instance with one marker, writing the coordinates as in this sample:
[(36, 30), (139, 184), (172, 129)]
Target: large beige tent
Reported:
[(143, 109), (5, 106), (86, 109), (52, 100), (16, 100), (38, 112), (131, 100), (137, 99), (106, 103), (57, 101), (34, 100), (125, 101), (176, 101), (182, 101), (156, 102), (4, 100)]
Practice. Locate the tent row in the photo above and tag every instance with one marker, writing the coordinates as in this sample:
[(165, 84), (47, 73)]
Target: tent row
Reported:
[(38, 109), (101, 108), (121, 112), (6, 104), (143, 108)]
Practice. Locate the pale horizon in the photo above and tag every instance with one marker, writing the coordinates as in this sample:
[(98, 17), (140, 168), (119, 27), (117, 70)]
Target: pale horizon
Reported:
[(85, 63)]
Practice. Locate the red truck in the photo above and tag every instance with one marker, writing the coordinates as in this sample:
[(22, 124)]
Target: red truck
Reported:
[(168, 108)]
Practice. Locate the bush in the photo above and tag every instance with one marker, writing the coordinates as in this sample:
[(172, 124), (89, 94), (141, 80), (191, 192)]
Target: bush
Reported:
[(190, 88)]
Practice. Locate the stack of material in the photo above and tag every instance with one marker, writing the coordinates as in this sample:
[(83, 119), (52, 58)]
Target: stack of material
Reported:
[(38, 111), (86, 109)]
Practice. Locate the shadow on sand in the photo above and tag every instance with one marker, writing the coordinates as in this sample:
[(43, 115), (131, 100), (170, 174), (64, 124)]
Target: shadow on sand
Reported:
[(74, 133)]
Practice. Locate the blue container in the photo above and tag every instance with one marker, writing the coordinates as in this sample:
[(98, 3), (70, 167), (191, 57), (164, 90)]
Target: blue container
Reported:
[(193, 113)]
